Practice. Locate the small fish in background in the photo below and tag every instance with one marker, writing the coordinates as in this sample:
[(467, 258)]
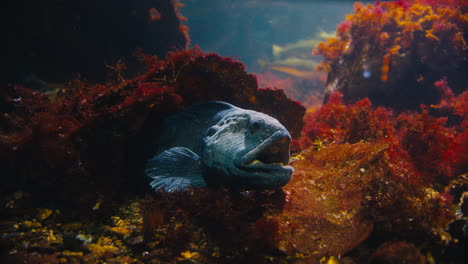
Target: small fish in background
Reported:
[(302, 48), (290, 62), (296, 59), (154, 14), (302, 68), (216, 143)]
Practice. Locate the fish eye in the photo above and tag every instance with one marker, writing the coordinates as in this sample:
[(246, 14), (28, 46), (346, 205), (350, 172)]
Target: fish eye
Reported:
[(211, 131), (256, 125)]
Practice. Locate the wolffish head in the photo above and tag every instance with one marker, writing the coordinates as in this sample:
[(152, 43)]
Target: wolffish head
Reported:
[(249, 148)]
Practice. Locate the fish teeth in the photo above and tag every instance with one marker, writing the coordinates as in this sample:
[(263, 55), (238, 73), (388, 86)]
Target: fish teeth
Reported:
[(254, 162)]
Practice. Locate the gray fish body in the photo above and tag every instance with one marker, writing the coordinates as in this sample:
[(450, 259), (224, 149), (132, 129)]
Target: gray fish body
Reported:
[(216, 143)]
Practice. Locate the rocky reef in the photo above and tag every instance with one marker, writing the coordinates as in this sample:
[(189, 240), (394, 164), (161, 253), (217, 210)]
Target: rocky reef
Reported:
[(374, 182)]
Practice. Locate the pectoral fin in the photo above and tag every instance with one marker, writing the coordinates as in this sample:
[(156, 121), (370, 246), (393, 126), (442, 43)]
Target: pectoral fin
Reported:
[(175, 170)]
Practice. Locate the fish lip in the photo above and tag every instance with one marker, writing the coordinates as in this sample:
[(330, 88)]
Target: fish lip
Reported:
[(271, 155)]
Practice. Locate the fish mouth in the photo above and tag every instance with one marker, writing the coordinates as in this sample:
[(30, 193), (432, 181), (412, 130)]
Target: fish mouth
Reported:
[(271, 156)]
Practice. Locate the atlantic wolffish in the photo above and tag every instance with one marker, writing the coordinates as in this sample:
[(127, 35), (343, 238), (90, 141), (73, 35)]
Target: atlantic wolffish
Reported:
[(216, 143)]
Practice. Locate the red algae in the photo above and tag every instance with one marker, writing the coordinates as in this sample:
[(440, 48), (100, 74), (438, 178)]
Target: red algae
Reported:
[(430, 146), (82, 129), (339, 123)]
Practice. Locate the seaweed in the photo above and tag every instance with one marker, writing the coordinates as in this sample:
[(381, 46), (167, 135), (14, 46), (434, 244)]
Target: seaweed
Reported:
[(393, 52)]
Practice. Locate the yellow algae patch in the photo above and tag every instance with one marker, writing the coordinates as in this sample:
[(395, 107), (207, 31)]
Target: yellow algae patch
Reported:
[(188, 255), (68, 253), (101, 249), (43, 213), (120, 230)]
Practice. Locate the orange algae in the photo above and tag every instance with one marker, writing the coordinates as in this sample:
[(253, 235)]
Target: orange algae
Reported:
[(381, 51), (323, 212), (184, 29), (154, 14), (438, 20)]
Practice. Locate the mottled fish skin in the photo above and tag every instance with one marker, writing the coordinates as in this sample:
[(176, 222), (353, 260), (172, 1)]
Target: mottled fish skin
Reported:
[(216, 143)]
